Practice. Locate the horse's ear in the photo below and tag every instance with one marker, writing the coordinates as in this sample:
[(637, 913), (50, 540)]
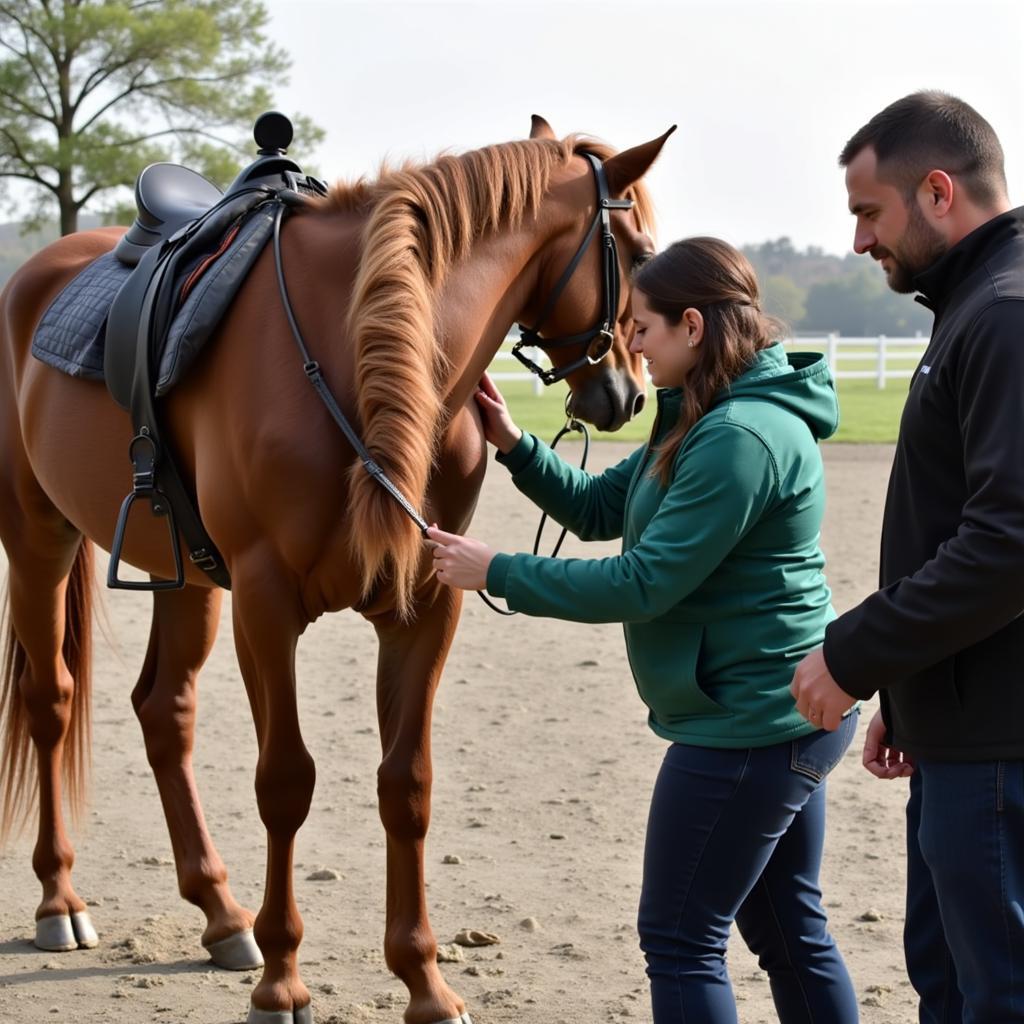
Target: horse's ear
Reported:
[(540, 129), (631, 165)]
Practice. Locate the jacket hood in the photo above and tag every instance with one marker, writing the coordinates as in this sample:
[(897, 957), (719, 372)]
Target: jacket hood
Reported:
[(799, 381)]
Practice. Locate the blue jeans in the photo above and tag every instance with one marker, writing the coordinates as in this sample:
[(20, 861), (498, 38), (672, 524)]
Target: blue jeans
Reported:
[(964, 934), (737, 835)]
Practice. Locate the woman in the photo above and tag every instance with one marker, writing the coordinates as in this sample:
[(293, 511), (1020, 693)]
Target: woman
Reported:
[(720, 591)]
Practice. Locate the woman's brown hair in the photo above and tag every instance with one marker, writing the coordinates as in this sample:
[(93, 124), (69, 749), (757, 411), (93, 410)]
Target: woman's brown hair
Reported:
[(712, 277)]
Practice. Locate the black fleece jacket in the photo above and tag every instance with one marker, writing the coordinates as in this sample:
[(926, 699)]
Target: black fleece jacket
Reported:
[(943, 639)]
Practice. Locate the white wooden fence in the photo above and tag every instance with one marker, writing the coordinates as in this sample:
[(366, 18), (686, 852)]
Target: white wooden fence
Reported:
[(885, 358), (879, 359)]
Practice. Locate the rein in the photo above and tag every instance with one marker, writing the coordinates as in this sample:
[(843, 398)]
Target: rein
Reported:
[(316, 378), (597, 341), (570, 425)]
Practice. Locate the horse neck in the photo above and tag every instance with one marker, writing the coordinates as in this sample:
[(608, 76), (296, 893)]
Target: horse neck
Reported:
[(487, 292)]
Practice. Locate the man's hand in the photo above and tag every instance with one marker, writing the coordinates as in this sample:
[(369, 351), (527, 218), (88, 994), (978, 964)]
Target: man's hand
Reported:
[(884, 762), (819, 698)]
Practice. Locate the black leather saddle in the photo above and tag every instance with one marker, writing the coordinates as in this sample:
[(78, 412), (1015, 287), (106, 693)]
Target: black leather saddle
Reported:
[(185, 225), (170, 197)]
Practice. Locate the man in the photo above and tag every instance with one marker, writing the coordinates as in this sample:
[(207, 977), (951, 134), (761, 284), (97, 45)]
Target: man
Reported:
[(942, 641)]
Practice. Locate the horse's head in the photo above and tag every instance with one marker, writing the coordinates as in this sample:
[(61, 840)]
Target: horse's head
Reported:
[(580, 311)]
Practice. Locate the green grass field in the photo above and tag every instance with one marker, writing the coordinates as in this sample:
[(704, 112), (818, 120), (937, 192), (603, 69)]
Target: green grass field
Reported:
[(866, 413)]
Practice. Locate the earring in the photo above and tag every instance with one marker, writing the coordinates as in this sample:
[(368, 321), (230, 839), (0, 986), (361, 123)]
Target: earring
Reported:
[(689, 344)]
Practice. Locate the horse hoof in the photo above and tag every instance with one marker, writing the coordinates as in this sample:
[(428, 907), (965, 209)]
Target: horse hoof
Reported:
[(464, 1019), (302, 1016), (55, 934), (84, 931), (237, 952), (63, 932)]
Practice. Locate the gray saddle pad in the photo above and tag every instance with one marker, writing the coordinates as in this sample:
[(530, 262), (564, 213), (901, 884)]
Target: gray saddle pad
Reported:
[(70, 336)]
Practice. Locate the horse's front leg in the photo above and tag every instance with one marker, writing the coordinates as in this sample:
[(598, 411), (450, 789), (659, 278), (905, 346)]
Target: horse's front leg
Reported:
[(410, 660), (182, 635), (268, 621)]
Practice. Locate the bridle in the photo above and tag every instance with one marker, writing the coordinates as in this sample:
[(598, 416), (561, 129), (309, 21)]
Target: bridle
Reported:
[(597, 342)]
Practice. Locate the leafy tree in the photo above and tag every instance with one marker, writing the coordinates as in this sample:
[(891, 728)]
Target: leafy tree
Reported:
[(93, 90)]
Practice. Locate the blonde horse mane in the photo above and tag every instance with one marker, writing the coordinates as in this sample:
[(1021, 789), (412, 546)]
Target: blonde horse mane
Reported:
[(422, 221)]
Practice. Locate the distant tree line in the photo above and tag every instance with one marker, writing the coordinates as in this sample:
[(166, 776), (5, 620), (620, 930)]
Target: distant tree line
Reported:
[(815, 292)]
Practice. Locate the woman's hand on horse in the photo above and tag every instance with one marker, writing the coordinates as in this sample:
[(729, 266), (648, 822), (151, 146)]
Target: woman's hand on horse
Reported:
[(499, 428), (460, 561)]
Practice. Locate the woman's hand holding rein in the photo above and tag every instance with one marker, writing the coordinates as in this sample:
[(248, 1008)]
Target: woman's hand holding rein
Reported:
[(460, 561)]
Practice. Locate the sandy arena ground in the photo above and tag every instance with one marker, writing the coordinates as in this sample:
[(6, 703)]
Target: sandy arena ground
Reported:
[(543, 766)]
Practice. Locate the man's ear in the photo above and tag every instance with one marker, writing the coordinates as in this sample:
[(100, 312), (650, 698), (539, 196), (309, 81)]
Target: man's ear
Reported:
[(938, 191)]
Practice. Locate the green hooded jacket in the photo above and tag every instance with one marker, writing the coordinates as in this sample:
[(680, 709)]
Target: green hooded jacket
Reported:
[(719, 585)]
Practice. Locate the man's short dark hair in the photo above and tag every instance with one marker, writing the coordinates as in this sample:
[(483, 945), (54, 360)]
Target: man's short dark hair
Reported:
[(929, 131)]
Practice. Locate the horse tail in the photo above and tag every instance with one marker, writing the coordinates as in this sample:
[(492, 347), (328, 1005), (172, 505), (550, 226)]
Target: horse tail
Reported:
[(398, 368), (17, 765)]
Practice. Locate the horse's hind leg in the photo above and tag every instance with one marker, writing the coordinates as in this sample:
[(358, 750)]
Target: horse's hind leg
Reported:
[(184, 628), (409, 666), (46, 689)]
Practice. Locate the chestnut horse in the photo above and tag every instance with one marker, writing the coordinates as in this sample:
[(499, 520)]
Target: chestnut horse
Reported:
[(404, 289)]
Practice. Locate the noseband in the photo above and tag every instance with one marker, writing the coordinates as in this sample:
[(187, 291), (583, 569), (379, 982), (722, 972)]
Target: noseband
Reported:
[(597, 342)]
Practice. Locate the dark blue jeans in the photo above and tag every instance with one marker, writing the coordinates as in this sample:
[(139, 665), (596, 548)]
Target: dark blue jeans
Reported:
[(737, 835), (964, 934)]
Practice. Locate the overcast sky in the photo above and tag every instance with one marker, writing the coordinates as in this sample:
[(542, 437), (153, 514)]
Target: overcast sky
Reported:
[(764, 93)]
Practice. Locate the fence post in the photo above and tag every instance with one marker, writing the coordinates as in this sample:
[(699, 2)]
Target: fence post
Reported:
[(832, 353), (881, 361)]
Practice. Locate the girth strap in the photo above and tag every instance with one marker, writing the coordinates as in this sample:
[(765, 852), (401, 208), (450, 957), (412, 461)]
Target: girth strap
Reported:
[(152, 460)]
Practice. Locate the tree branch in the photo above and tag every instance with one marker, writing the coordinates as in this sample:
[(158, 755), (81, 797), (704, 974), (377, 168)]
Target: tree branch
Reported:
[(133, 87), (35, 73), (146, 88), (98, 77), (29, 28), (18, 153), (82, 200), (34, 178), (18, 103), (155, 135), (215, 80)]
